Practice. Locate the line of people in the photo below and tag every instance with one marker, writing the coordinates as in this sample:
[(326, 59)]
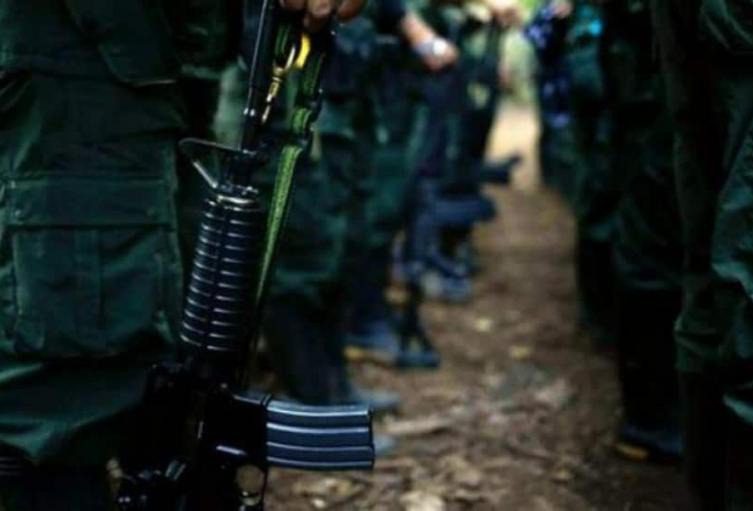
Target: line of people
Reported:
[(606, 146), (390, 190), (645, 131)]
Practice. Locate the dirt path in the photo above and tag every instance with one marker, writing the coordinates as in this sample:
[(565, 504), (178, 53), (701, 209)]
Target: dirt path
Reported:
[(521, 415)]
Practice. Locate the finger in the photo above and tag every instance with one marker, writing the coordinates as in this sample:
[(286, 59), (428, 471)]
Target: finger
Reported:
[(317, 14), (320, 9), (349, 9)]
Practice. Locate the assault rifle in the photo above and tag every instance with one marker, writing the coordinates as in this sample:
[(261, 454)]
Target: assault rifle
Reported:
[(206, 443)]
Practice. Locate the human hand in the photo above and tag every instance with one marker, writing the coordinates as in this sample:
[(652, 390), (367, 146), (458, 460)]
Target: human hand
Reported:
[(437, 53), (318, 12)]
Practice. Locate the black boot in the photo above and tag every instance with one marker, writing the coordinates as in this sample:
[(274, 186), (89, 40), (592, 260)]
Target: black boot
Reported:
[(372, 334), (704, 440), (331, 329), (378, 401), (738, 490), (420, 247), (650, 430)]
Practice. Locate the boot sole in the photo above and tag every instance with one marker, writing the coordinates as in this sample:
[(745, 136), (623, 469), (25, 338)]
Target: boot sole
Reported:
[(360, 355), (640, 454)]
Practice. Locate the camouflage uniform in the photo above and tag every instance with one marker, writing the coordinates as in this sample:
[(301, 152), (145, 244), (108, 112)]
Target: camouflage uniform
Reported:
[(557, 150), (597, 188), (327, 232), (706, 48), (89, 261), (647, 246)]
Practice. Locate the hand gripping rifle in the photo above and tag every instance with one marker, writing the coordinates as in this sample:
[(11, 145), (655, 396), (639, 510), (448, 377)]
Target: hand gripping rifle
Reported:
[(207, 444)]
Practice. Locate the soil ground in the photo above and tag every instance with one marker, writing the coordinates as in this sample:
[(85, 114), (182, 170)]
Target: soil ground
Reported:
[(522, 413)]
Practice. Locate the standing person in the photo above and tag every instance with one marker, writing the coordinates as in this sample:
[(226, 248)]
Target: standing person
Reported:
[(447, 182), (557, 152), (647, 251), (706, 48), (480, 40), (597, 185), (92, 272), (90, 113), (305, 321), (403, 60), (321, 259)]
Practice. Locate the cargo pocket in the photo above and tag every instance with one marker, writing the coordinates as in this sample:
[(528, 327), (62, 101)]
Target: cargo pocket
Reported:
[(132, 36), (94, 266), (729, 23)]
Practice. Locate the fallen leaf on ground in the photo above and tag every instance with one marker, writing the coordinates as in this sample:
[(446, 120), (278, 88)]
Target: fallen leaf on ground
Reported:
[(483, 325), (556, 395), (327, 490), (464, 495), (562, 475), (543, 504), (461, 471), (520, 352), (422, 501), (417, 427), (397, 463)]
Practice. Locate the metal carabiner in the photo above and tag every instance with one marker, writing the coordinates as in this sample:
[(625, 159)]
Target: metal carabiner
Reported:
[(278, 76)]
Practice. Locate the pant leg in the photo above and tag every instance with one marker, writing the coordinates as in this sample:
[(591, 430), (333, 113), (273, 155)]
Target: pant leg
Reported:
[(306, 291), (732, 264), (692, 95), (90, 264), (595, 205), (648, 244), (732, 243)]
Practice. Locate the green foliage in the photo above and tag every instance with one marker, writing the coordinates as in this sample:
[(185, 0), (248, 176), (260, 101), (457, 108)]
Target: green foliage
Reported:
[(529, 4)]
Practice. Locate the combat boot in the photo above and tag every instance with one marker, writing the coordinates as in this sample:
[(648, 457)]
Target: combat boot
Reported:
[(376, 340), (738, 491), (448, 273), (468, 256), (378, 401), (416, 348), (650, 430), (373, 340), (658, 445), (372, 335), (446, 280), (384, 445), (704, 430), (344, 391), (500, 173)]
